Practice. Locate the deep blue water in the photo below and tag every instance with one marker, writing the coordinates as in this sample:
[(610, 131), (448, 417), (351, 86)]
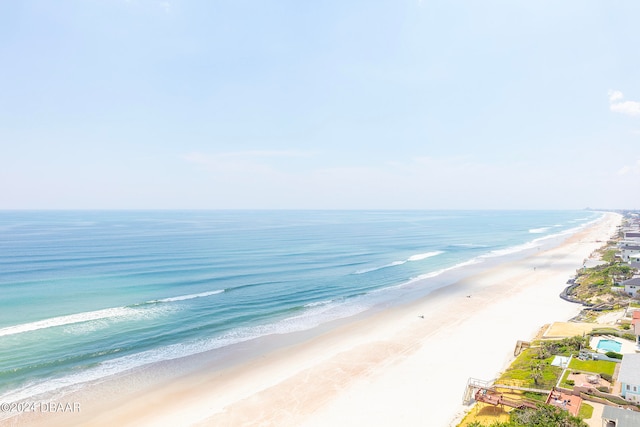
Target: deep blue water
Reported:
[(88, 294)]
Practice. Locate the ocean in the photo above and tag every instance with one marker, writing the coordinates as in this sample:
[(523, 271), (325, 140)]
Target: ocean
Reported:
[(88, 294)]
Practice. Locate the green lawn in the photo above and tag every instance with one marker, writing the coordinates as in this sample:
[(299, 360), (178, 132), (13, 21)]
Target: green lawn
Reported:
[(586, 411), (520, 371), (594, 366), (563, 383)]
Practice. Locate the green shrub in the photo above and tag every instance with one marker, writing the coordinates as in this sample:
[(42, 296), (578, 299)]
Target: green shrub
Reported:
[(544, 415), (613, 355), (603, 389), (570, 382), (606, 377)]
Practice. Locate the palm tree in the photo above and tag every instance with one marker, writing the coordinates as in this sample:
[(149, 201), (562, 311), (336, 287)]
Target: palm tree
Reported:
[(536, 372)]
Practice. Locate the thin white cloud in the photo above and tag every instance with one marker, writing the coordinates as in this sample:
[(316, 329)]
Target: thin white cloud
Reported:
[(615, 95), (617, 105), (631, 108), (633, 169), (166, 6)]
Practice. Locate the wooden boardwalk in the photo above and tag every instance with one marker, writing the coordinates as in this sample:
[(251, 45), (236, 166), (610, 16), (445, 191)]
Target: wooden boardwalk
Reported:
[(495, 398)]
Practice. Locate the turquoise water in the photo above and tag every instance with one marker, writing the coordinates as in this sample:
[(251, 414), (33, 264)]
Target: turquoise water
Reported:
[(85, 295), (610, 345)]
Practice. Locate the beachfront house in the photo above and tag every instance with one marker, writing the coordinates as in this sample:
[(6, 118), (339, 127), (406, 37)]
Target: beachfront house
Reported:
[(635, 325), (627, 248), (632, 235), (613, 416), (629, 377), (632, 286)]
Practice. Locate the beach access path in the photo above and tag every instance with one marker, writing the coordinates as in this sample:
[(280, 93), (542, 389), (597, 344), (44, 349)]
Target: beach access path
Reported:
[(405, 366)]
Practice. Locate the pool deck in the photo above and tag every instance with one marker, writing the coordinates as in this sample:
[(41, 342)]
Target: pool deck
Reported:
[(607, 344), (588, 380), (628, 347), (568, 402)]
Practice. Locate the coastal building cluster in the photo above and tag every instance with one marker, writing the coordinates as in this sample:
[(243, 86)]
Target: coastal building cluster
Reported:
[(629, 371), (629, 252), (629, 378), (605, 372)]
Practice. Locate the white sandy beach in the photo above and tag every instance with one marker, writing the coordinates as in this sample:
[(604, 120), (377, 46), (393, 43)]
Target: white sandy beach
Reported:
[(393, 368)]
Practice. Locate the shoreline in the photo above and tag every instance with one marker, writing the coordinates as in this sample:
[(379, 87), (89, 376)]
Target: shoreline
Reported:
[(387, 368)]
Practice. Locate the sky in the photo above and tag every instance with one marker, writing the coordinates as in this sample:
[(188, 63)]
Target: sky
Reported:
[(254, 104)]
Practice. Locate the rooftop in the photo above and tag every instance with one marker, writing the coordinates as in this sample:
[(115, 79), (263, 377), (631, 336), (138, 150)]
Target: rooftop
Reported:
[(633, 281), (623, 417), (630, 369)]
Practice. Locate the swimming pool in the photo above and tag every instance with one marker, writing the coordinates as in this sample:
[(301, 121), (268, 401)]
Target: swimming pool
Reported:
[(610, 345)]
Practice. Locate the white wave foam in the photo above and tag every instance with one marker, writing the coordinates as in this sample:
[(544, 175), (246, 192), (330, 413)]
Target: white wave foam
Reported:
[(97, 317), (187, 297), (510, 250), (318, 303), (86, 327), (69, 319), (539, 230), (444, 270), (419, 257), (310, 318), (107, 313), (416, 257), (579, 219), (430, 275), (495, 253), (535, 242), (369, 270)]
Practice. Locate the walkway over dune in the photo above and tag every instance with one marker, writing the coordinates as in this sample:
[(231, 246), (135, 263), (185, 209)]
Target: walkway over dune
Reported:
[(495, 398)]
